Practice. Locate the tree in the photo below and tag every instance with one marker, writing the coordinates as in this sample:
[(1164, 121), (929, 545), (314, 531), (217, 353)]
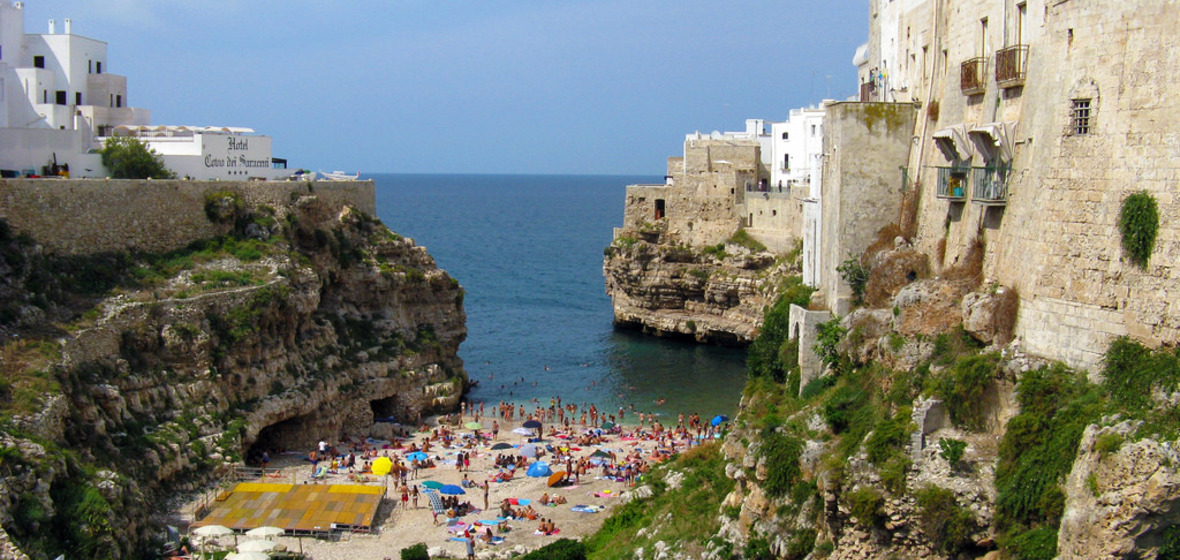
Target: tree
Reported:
[(128, 158)]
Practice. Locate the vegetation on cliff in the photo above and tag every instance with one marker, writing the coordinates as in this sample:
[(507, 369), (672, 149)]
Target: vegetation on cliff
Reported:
[(126, 375)]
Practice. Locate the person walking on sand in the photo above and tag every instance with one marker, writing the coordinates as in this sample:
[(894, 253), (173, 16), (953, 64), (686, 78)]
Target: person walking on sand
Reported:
[(414, 496), (486, 484), (405, 496), (470, 548)]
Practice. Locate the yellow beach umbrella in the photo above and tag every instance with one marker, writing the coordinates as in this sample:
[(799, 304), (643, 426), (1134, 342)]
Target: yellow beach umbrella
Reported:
[(382, 466)]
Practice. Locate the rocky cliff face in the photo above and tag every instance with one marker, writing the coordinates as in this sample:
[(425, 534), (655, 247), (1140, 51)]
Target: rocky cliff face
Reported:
[(662, 287), (307, 322)]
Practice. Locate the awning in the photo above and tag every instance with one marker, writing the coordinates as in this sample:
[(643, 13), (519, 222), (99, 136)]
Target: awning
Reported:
[(861, 56), (994, 139), (953, 143)]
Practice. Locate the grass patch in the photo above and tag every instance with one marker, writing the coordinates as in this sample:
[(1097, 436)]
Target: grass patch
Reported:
[(742, 239), (688, 515)]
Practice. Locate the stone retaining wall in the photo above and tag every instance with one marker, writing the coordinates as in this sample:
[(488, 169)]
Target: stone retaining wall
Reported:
[(83, 216)]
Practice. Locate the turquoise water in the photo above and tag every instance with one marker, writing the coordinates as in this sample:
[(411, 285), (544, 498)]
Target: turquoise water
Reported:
[(528, 251)]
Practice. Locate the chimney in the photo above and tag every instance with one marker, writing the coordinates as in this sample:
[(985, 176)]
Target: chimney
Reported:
[(52, 27), (68, 26)]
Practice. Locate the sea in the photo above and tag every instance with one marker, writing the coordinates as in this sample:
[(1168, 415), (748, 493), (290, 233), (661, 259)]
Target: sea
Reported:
[(528, 251)]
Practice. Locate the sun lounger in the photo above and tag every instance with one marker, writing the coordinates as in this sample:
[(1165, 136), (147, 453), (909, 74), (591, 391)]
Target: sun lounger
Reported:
[(586, 509)]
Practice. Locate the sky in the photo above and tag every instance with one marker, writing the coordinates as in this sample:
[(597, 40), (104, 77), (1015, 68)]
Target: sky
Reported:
[(459, 86)]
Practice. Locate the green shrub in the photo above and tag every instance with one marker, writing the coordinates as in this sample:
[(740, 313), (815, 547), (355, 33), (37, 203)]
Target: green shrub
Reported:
[(1035, 544), (1039, 446), (867, 506), (717, 251), (743, 239), (782, 454), (962, 388), (799, 545), (817, 387), (889, 437), (561, 549), (1138, 223), (415, 552), (1170, 545), (1108, 443), (856, 275), (699, 273), (893, 473), (952, 450), (129, 158), (830, 334), (947, 524), (841, 407)]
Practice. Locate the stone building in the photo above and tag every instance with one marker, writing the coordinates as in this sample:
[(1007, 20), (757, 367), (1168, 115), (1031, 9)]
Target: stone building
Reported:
[(1037, 120)]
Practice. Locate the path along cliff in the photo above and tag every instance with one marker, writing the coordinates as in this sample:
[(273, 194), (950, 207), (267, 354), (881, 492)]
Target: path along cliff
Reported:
[(128, 375)]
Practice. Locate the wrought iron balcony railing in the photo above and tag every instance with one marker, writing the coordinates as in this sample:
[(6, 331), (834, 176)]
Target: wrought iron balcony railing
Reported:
[(1011, 65), (953, 183), (991, 185), (973, 76)]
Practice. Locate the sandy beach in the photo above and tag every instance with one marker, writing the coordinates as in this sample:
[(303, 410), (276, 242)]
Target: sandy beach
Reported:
[(396, 526)]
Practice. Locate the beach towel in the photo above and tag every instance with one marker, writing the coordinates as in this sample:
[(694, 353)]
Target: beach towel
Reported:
[(586, 509), (320, 472), (519, 501), (553, 532), (605, 494)]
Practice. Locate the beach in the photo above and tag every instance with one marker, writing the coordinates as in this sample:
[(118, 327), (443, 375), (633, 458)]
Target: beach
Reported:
[(634, 449)]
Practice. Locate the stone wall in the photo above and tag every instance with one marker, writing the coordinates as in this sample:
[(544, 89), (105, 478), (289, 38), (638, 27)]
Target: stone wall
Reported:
[(804, 325), (774, 218), (92, 215), (864, 145), (1056, 240)]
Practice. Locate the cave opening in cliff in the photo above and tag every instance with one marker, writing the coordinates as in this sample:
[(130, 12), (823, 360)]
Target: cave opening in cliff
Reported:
[(389, 410), (294, 434)]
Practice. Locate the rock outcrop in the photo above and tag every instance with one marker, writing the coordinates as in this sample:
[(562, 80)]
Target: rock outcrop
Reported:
[(309, 321), (666, 288)]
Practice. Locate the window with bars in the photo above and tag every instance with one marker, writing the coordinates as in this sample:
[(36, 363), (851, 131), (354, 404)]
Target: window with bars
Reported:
[(1079, 116)]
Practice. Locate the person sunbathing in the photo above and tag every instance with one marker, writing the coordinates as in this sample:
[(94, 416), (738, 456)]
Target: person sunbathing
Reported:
[(558, 499), (544, 499), (487, 535)]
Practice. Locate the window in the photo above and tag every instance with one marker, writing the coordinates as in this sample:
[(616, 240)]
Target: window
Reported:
[(1021, 14), (983, 37), (77, 98), (1079, 116), (784, 136), (118, 101), (813, 130), (60, 97), (98, 66), (89, 66), (39, 61)]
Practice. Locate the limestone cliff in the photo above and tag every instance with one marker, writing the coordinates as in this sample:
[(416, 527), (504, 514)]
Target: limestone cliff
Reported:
[(663, 287), (131, 374)]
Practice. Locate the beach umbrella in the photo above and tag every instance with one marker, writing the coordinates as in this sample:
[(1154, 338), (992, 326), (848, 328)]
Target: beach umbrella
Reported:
[(719, 419), (248, 556), (538, 469), (473, 426), (432, 484), (382, 466), (556, 478), (417, 456), (451, 489), (212, 531), (529, 451), (502, 446), (608, 425), (257, 546), (522, 431), (265, 532), (533, 424)]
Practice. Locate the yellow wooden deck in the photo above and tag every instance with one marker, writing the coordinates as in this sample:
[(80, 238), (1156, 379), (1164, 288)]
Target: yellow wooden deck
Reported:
[(309, 508)]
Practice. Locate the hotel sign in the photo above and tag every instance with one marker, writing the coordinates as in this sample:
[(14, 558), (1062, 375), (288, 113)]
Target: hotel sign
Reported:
[(236, 152)]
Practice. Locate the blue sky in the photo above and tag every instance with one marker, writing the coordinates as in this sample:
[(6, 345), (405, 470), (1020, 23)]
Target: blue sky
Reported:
[(566, 86)]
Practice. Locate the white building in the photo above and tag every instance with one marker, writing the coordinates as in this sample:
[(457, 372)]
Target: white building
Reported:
[(795, 143), (59, 103)]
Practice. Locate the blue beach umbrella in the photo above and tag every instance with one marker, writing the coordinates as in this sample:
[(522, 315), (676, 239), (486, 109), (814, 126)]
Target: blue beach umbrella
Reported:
[(719, 419), (451, 489), (538, 470), (417, 456)]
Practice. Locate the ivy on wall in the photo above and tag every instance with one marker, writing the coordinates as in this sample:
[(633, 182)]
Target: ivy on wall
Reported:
[(1139, 223)]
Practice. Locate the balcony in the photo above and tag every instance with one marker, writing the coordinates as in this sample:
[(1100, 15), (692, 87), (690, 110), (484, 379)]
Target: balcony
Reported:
[(991, 185), (952, 183), (1011, 65), (973, 76)]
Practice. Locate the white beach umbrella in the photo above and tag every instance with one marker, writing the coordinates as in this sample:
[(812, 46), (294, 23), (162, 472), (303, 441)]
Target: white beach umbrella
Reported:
[(265, 532), (212, 531), (257, 546), (248, 556)]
